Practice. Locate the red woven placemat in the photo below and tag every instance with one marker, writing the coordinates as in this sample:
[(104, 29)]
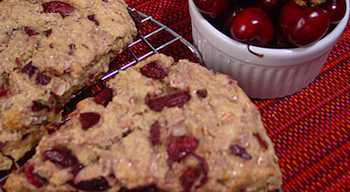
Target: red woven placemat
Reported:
[(311, 129)]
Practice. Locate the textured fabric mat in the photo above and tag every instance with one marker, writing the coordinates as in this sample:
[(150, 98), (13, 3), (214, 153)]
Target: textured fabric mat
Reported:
[(311, 129)]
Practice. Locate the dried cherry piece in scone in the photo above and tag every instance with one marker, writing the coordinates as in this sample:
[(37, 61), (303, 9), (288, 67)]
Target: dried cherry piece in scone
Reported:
[(76, 169), (202, 93), (30, 31), (48, 32), (53, 127), (89, 119), (96, 184), (155, 103), (72, 48), (155, 133), (29, 69), (93, 19), (61, 156), (104, 97), (154, 70), (2, 144), (189, 178), (42, 79), (3, 91), (39, 106), (240, 151), (180, 147), (18, 62), (34, 178), (263, 144), (148, 188), (203, 165), (175, 99), (64, 9), (195, 177)]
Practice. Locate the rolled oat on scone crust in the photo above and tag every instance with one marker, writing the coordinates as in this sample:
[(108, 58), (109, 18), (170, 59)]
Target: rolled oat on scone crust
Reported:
[(48, 50), (159, 126)]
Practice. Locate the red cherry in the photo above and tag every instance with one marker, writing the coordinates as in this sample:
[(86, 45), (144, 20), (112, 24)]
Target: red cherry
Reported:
[(303, 25), (336, 9), (229, 18), (212, 8), (252, 25)]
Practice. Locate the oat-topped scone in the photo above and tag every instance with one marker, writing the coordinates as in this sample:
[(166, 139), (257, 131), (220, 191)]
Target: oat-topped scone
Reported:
[(160, 126), (48, 50)]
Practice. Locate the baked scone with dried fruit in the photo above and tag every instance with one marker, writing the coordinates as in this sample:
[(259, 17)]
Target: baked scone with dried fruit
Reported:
[(48, 50), (159, 126)]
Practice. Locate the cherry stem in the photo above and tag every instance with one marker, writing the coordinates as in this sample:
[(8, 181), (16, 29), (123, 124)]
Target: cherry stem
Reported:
[(254, 53)]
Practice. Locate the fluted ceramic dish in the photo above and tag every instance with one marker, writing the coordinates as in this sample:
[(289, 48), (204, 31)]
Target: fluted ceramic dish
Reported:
[(280, 72)]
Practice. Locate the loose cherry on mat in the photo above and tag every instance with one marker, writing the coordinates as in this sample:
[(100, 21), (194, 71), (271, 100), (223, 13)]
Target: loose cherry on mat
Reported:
[(336, 9), (253, 26), (213, 8), (303, 25)]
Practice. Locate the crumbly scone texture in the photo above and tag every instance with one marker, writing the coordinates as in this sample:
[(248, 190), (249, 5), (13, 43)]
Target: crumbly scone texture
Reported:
[(160, 126), (48, 50)]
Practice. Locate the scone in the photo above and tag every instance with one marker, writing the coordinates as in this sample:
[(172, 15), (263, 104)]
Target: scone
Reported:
[(48, 50), (159, 126)]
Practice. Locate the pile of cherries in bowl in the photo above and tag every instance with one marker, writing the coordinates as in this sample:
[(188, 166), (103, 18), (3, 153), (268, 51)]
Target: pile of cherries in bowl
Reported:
[(274, 23)]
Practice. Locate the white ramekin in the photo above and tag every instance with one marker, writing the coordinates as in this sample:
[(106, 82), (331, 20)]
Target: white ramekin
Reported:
[(279, 73)]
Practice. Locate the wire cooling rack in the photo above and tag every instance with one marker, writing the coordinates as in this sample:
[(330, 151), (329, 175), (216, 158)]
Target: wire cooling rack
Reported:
[(142, 20)]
